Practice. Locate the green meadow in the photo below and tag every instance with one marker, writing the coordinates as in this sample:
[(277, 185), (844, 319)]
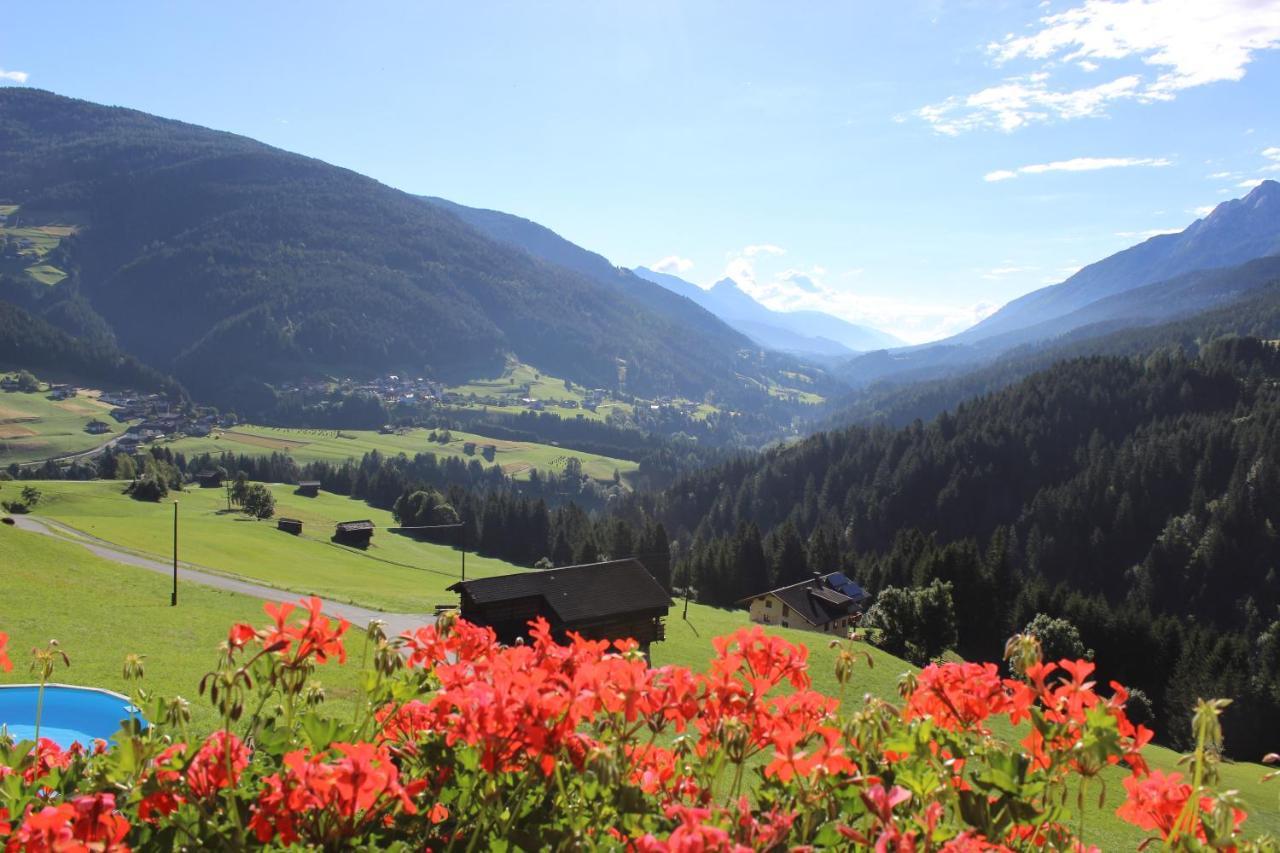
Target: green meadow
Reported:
[(517, 458), (33, 427), (100, 611), (395, 573)]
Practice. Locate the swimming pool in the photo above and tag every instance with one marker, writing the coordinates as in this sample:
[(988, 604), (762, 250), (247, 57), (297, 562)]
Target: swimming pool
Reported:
[(71, 713)]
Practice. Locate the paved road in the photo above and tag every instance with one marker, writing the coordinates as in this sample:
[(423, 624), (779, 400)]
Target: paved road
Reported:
[(72, 457), (358, 616)]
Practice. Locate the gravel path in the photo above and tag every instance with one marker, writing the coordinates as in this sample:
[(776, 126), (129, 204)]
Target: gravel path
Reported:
[(358, 616)]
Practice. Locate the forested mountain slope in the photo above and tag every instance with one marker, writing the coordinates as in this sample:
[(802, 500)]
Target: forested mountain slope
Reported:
[(1138, 497), (226, 260)]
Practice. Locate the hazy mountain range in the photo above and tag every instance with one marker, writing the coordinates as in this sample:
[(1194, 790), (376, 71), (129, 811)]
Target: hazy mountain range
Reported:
[(812, 333), (1160, 279)]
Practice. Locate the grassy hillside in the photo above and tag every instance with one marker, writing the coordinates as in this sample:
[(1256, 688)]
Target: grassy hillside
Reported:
[(24, 247), (33, 427), (517, 458), (396, 573), (100, 611)]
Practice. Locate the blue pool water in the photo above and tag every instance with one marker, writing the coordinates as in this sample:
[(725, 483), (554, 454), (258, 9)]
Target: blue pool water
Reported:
[(71, 714)]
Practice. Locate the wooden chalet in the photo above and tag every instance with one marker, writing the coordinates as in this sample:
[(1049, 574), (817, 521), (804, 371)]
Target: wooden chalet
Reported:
[(289, 525), (830, 604), (357, 533), (615, 600), (97, 427), (308, 488)]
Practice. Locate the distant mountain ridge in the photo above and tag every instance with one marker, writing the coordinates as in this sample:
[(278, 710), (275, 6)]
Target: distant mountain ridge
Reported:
[(1212, 262), (1236, 231), (805, 332)]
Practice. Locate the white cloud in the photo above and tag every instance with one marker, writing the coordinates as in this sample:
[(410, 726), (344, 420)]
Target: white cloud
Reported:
[(1202, 211), (1218, 176), (672, 265), (1019, 101), (1272, 154), (1148, 234), (763, 249), (1249, 184), (1077, 164), (996, 273), (14, 76), (1183, 43)]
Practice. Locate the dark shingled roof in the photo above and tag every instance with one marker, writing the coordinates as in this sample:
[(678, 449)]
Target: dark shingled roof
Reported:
[(817, 603), (355, 525), (576, 593)]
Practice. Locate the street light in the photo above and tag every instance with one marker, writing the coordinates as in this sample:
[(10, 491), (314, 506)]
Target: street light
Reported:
[(173, 598)]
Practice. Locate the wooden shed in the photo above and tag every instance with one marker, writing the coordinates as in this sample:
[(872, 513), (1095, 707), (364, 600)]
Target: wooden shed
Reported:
[(356, 533), (615, 600), (308, 488), (209, 479), (289, 525)]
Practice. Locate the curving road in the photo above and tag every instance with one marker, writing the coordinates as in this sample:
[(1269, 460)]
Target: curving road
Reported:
[(358, 616)]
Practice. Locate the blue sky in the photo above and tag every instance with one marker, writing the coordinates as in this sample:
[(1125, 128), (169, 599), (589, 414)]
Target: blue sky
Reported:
[(908, 165)]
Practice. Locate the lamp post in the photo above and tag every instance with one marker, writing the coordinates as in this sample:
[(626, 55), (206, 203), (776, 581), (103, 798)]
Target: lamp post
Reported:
[(173, 598)]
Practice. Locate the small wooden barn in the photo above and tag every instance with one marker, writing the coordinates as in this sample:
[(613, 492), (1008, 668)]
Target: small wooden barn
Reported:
[(209, 479), (308, 488), (615, 600), (356, 533), (289, 525)]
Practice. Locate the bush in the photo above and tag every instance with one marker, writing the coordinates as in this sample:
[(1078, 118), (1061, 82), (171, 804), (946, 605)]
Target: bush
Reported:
[(148, 487), (458, 742)]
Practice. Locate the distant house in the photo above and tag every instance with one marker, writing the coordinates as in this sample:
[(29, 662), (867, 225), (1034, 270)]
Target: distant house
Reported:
[(289, 525), (830, 604), (209, 479), (308, 488), (62, 392), (97, 427), (357, 533), (601, 601)]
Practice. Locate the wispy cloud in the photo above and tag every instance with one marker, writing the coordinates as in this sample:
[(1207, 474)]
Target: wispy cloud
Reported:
[(1148, 234), (997, 273), (1019, 101), (14, 76), (1273, 156), (1184, 43), (1202, 211), (1249, 184), (763, 249), (672, 264), (1077, 164)]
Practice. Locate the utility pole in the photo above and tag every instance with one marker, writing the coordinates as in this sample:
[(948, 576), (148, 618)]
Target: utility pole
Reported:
[(173, 599)]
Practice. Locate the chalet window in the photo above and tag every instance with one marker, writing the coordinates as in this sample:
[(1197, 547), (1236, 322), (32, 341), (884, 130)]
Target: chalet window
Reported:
[(786, 611), (768, 602)]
